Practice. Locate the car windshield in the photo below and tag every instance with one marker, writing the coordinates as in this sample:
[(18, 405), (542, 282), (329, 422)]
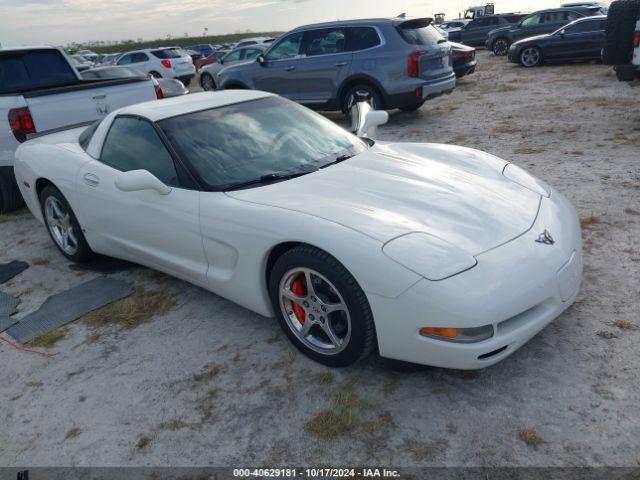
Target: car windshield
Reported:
[(240, 143)]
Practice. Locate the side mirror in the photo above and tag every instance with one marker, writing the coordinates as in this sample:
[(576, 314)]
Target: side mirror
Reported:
[(563, 33), (260, 59), (137, 180)]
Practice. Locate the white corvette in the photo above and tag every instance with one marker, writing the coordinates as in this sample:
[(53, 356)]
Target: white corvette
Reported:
[(432, 254)]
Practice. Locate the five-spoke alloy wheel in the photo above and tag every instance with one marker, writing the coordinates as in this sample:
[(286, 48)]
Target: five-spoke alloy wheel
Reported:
[(531, 57), (321, 307)]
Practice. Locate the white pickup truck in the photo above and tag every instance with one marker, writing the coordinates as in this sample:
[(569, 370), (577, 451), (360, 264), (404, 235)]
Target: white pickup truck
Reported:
[(41, 91)]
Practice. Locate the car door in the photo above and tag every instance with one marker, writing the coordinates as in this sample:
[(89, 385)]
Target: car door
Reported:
[(160, 231), (573, 42), (275, 73), (474, 31), (323, 64)]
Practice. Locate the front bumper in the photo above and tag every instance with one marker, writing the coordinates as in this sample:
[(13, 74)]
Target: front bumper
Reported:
[(518, 288), (513, 54)]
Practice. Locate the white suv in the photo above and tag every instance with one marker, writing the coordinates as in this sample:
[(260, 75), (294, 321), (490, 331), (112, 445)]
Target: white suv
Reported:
[(161, 63)]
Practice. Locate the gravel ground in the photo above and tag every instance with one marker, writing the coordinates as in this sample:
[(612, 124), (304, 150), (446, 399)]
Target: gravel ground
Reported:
[(196, 380)]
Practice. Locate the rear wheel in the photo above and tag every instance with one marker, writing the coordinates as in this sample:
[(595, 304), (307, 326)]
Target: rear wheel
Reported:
[(63, 225), (500, 47), (207, 83), (621, 21), (349, 98), (531, 57), (321, 307)]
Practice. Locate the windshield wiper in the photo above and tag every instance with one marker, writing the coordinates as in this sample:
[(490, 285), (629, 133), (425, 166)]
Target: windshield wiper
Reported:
[(339, 159), (266, 179)]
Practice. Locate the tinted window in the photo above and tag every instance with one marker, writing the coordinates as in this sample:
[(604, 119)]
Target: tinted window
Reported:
[(232, 56), (35, 69), (125, 59), (245, 141), (167, 53), (559, 17), (288, 47), (586, 26), (532, 20), (361, 38), (133, 144), (251, 53), (139, 57), (416, 34), (512, 18), (323, 42)]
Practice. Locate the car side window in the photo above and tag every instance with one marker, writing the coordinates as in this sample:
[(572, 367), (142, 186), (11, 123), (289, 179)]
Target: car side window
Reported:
[(557, 17), (571, 16), (323, 42), (233, 56), (493, 21), (531, 20), (125, 60), (133, 144), (139, 57), (251, 53), (288, 47), (361, 38)]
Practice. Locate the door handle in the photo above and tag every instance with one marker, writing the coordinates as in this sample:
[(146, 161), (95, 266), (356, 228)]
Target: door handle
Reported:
[(341, 64), (91, 180), (100, 96), (289, 69)]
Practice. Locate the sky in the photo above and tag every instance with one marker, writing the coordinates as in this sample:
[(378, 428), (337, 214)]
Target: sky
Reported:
[(60, 22)]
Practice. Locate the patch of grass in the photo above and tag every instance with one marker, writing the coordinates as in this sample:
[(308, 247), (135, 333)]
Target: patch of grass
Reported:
[(73, 433), (324, 378), (341, 418), (49, 339), (209, 373), (421, 451), (459, 138), (530, 437), (143, 442), (128, 313), (590, 221), (626, 325), (39, 261), (506, 87), (577, 152), (507, 128), (378, 424), (631, 211)]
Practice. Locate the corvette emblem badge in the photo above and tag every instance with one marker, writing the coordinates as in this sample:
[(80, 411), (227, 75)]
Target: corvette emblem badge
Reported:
[(546, 238)]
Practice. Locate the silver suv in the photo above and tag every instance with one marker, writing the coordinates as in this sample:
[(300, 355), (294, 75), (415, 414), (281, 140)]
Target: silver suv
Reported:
[(399, 62)]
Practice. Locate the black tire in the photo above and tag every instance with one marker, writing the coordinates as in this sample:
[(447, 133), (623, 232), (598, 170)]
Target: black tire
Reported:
[(377, 101), (527, 64), (500, 47), (207, 82), (83, 252), (186, 82), (155, 75), (10, 197), (412, 108), (621, 22), (362, 340)]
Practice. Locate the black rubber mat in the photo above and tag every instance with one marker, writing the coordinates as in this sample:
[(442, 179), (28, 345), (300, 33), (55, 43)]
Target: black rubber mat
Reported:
[(11, 269), (65, 307), (8, 306), (103, 265)]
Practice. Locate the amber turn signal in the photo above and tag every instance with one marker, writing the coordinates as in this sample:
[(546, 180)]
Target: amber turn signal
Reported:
[(439, 332)]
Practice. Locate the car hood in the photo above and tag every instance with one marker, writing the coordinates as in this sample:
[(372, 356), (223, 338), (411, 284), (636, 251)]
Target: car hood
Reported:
[(456, 194)]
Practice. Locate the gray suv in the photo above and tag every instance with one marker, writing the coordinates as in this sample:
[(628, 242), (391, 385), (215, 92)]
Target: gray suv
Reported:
[(399, 62)]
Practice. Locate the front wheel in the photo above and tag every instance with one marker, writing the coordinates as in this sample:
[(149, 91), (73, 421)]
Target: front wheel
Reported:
[(500, 47), (63, 225), (321, 307), (207, 83), (531, 57)]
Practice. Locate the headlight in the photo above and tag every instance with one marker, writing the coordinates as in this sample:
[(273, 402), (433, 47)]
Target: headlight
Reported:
[(429, 256), (526, 180)]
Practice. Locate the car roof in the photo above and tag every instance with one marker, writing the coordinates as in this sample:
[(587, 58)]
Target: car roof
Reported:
[(358, 21), (157, 110), (580, 9)]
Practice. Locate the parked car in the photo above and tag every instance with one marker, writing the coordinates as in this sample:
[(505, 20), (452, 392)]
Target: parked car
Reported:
[(213, 58), (432, 254), (464, 59), (453, 25), (209, 73), (538, 23), (399, 63), (81, 63), (170, 87), (475, 32), (41, 91), (168, 62), (109, 59), (204, 49), (582, 39), (252, 41), (622, 44), (604, 7)]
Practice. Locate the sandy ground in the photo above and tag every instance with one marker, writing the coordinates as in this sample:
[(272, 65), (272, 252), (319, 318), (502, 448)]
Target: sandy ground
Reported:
[(209, 383)]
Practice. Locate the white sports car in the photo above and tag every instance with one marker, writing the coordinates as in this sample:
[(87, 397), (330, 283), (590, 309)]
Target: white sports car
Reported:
[(432, 254)]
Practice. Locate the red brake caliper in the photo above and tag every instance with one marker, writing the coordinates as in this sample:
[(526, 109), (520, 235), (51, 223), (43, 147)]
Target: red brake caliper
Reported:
[(298, 288)]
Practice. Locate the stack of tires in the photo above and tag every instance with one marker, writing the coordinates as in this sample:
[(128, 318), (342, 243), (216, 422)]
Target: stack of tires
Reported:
[(618, 49)]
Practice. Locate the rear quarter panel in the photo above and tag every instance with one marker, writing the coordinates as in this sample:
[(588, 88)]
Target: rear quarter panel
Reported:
[(8, 143)]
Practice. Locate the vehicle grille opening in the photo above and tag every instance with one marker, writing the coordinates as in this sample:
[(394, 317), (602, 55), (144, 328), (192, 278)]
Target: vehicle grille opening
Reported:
[(491, 354)]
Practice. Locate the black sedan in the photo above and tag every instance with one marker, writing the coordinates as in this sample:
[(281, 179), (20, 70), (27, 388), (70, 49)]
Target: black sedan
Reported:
[(582, 39), (464, 59)]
